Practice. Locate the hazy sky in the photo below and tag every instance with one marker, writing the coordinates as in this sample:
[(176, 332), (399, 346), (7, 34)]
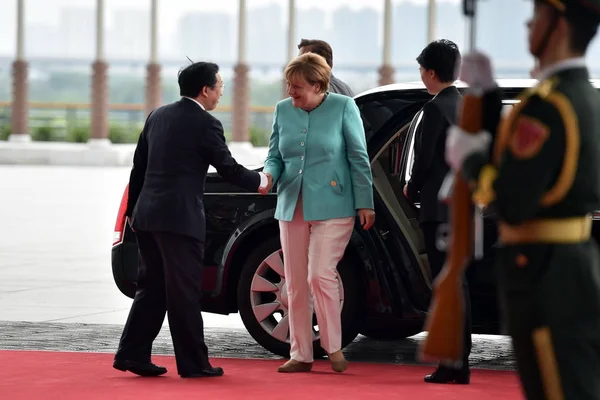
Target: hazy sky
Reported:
[(173, 6), (45, 10)]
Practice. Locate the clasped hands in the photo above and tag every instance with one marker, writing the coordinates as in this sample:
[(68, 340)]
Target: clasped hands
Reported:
[(266, 189)]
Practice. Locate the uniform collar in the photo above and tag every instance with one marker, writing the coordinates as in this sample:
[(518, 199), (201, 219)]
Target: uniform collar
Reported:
[(570, 63)]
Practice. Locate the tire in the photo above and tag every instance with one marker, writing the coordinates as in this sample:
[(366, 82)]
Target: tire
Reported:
[(351, 309)]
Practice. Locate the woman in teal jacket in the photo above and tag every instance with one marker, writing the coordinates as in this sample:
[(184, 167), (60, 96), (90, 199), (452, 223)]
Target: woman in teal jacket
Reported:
[(318, 156)]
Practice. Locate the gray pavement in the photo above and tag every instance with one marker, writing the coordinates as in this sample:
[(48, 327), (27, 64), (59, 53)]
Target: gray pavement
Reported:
[(56, 233), (489, 352), (56, 286)]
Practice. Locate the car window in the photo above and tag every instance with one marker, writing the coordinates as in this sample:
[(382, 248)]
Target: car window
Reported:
[(378, 109), (376, 113)]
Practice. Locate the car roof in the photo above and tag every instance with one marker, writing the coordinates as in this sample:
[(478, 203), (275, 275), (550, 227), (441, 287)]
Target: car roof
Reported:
[(418, 85)]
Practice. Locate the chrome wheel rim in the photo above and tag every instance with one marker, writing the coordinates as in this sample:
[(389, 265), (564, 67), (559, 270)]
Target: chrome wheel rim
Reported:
[(269, 299)]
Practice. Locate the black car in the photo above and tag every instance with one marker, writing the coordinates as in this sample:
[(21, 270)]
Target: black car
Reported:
[(384, 276)]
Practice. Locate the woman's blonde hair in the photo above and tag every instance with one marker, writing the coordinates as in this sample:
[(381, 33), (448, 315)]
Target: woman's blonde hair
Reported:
[(312, 67)]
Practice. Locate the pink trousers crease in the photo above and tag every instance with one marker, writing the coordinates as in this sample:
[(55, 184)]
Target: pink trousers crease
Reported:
[(311, 252)]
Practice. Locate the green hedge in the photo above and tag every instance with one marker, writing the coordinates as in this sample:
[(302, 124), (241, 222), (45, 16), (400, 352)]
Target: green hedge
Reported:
[(259, 137), (50, 132), (5, 132), (43, 134), (78, 134)]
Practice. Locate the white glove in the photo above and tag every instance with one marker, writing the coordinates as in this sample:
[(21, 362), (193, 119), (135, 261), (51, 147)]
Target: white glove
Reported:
[(460, 144), (476, 71)]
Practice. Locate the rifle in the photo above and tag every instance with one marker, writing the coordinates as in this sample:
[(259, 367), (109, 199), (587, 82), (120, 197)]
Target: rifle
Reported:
[(445, 321)]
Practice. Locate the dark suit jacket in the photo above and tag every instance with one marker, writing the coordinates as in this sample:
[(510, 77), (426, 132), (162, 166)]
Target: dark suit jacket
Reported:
[(339, 87), (430, 168), (166, 187)]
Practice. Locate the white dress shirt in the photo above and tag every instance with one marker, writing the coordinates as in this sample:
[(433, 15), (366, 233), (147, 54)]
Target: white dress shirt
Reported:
[(264, 181)]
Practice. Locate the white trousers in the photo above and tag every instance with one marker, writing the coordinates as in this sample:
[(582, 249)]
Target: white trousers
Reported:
[(311, 252)]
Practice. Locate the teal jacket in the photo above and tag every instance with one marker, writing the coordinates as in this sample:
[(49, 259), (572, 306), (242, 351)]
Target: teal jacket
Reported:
[(324, 153)]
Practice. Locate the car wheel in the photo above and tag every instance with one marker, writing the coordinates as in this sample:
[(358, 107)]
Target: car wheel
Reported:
[(263, 303)]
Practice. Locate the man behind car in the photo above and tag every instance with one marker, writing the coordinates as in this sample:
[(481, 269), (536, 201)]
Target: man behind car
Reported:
[(437, 65), (323, 49)]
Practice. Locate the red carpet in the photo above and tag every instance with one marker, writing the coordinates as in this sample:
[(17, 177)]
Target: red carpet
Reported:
[(36, 375)]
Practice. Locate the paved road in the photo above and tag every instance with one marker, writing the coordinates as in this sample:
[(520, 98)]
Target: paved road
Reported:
[(57, 228), (56, 287)]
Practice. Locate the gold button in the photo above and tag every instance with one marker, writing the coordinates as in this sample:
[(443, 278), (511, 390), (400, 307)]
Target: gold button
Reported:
[(521, 261), (333, 183)]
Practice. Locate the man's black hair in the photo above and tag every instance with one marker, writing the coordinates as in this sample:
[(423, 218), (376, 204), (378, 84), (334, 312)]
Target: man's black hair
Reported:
[(193, 78), (319, 47), (443, 57)]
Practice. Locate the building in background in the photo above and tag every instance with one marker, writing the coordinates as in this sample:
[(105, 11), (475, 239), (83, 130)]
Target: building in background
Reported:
[(133, 24), (206, 36)]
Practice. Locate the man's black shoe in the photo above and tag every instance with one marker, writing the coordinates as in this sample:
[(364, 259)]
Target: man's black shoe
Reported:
[(449, 375), (139, 368), (205, 373)]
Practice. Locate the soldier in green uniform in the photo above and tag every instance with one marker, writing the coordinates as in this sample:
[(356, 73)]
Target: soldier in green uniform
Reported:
[(542, 178)]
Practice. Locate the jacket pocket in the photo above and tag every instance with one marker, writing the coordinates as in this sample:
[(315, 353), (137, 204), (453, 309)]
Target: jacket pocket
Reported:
[(337, 186)]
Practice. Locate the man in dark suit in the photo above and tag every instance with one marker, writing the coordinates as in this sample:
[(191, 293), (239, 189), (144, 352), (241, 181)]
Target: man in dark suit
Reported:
[(178, 143), (323, 49), (437, 64)]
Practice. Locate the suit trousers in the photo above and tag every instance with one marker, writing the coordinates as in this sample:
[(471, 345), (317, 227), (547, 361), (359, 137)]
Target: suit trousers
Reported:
[(311, 252), (169, 280), (437, 260)]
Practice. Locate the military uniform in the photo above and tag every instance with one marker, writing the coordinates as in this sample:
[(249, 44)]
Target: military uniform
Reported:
[(542, 179)]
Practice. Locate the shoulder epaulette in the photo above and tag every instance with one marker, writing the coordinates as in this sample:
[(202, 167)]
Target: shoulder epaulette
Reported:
[(544, 87)]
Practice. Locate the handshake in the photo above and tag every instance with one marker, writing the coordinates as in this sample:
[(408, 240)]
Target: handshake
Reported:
[(266, 189)]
